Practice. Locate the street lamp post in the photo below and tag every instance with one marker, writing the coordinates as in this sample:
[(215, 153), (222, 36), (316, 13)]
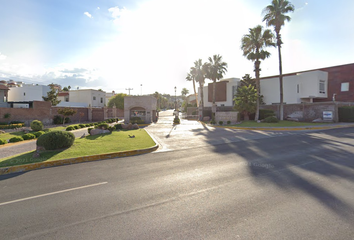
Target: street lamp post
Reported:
[(175, 99)]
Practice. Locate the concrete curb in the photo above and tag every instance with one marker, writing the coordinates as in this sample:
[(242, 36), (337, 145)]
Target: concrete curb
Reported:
[(105, 156), (34, 166), (283, 128)]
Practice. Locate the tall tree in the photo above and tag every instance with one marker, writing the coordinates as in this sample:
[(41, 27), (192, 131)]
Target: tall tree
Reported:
[(198, 72), (184, 92), (245, 100), (216, 69), (52, 96), (190, 77), (274, 15), (117, 100), (66, 112), (253, 45)]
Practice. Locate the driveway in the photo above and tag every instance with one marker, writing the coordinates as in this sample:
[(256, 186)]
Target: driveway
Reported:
[(191, 134)]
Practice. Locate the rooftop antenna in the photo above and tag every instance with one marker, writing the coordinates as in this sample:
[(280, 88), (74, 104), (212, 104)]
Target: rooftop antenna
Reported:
[(129, 89)]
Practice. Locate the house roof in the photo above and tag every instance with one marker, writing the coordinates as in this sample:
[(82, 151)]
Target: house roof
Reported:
[(3, 87), (63, 94), (318, 69)]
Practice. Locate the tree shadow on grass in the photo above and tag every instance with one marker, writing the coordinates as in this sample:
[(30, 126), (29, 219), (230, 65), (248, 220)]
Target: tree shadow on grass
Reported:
[(307, 162)]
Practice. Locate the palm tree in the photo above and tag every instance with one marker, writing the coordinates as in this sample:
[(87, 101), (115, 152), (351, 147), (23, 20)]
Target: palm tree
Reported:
[(190, 77), (216, 69), (247, 80), (198, 72), (252, 45), (274, 15)]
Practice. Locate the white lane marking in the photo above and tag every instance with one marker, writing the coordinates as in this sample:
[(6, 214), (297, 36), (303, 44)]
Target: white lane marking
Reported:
[(52, 193)]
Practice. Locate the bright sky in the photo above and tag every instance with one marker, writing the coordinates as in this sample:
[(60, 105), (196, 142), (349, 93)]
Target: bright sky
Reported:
[(150, 45)]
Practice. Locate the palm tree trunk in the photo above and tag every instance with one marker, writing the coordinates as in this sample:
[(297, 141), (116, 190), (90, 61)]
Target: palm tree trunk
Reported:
[(202, 99), (214, 106), (280, 79), (257, 64), (195, 93)]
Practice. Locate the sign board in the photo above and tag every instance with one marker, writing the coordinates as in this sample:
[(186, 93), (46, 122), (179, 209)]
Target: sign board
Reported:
[(327, 115)]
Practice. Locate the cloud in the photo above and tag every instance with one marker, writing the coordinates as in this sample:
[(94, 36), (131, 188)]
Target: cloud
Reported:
[(2, 56), (98, 8), (88, 14), (117, 13)]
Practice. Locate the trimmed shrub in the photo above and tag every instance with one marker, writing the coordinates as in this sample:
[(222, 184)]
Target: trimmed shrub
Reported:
[(87, 125), (221, 122), (228, 122), (271, 119), (212, 122), (111, 129), (3, 141), (264, 113), (103, 126), (17, 122), (57, 119), (176, 120), (28, 136), (56, 140), (89, 130), (70, 128), (15, 139), (36, 125), (82, 125), (91, 124), (118, 126), (76, 127), (38, 134), (346, 114)]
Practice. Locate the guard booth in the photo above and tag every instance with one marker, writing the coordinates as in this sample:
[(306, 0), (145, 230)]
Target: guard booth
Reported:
[(140, 107)]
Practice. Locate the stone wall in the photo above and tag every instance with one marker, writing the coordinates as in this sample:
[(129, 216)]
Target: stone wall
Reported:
[(307, 112), (226, 116), (44, 112)]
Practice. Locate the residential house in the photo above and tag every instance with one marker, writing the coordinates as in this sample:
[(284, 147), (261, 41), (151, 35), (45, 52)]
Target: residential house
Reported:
[(318, 85), (84, 98), (224, 93)]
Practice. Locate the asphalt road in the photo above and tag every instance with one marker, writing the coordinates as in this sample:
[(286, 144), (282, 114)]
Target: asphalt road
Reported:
[(292, 186)]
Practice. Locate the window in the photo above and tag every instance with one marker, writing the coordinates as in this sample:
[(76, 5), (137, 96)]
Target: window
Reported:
[(101, 100), (298, 88), (322, 86), (344, 87), (24, 94), (94, 98)]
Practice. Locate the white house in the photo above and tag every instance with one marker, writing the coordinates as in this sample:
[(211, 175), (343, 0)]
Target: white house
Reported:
[(224, 93), (297, 88), (27, 93), (87, 98)]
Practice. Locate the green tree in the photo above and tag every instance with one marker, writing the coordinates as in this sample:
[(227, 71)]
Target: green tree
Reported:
[(216, 69), (247, 80), (52, 96), (65, 89), (190, 77), (66, 112), (117, 100), (274, 15), (199, 72), (184, 92), (246, 100), (253, 45)]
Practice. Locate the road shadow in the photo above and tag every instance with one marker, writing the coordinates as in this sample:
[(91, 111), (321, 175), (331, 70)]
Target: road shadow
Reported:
[(296, 162)]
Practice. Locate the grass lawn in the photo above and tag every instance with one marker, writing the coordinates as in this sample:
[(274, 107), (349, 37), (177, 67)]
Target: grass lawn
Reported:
[(278, 124), (90, 145), (7, 136)]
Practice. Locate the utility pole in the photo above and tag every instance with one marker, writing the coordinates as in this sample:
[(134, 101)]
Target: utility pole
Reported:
[(129, 89)]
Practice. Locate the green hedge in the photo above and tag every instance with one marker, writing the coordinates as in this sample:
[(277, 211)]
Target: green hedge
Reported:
[(346, 114), (3, 141), (271, 119), (264, 113), (15, 139), (28, 136), (56, 140)]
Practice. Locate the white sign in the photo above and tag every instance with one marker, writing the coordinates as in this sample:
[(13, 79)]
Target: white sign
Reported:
[(327, 115)]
